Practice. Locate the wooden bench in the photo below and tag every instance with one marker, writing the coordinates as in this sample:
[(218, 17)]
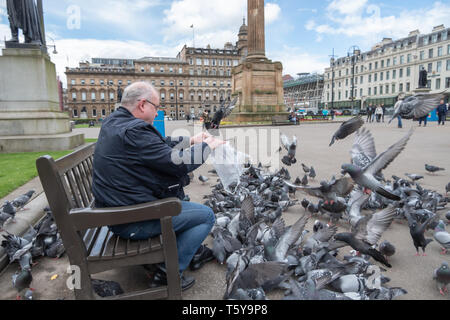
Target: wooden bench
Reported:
[(89, 243), (282, 121)]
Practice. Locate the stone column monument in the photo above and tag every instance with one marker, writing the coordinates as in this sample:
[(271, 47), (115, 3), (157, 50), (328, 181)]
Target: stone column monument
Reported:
[(257, 80), (30, 117)]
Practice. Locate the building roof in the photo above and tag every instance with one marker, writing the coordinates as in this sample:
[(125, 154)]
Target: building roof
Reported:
[(305, 79)]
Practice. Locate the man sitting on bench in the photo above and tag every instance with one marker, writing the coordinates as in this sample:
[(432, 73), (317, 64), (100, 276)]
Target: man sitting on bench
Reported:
[(134, 164)]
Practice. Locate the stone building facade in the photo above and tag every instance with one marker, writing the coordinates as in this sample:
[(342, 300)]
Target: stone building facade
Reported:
[(198, 79), (390, 68)]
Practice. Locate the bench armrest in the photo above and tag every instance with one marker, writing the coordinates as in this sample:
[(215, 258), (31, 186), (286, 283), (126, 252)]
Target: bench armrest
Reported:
[(88, 218)]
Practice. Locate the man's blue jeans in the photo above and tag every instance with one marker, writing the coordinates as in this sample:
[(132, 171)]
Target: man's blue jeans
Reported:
[(191, 226)]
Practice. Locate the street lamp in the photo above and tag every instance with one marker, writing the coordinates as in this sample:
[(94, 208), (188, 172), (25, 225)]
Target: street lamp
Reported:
[(354, 53), (54, 45), (176, 99)]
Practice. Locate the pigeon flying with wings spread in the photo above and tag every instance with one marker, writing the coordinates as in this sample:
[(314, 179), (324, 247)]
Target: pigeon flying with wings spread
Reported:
[(347, 128), (417, 106), (223, 113), (365, 176), (291, 148)]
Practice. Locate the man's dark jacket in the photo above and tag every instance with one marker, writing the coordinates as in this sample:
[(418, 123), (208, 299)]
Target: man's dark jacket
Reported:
[(133, 163), (442, 109)]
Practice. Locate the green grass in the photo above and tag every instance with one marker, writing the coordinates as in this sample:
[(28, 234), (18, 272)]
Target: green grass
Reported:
[(16, 169), (90, 140)]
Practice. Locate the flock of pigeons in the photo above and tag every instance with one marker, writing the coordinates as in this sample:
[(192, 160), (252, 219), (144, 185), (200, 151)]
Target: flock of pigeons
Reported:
[(263, 254), (41, 240)]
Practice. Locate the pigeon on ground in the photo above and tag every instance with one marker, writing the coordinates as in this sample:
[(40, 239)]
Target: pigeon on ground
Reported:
[(417, 231), (306, 169), (305, 181), (447, 188), (442, 277), (417, 106), (7, 212), (21, 201), (22, 281), (433, 169), (387, 249), (365, 176), (203, 179), (442, 237), (414, 177), (16, 247), (387, 293), (106, 288), (291, 147), (347, 128), (312, 174), (447, 216), (223, 113), (224, 244)]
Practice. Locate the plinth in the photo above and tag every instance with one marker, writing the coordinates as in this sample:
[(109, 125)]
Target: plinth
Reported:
[(29, 104), (259, 85)]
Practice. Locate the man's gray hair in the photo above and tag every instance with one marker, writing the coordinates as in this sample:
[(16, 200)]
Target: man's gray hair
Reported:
[(136, 92)]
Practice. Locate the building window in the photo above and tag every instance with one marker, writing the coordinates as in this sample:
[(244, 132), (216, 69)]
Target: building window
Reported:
[(142, 69), (111, 96), (199, 62), (375, 77), (393, 88), (191, 61), (430, 54), (102, 82), (376, 65), (374, 91), (408, 87), (75, 112), (400, 74), (129, 82), (93, 96), (214, 61), (400, 87), (370, 91), (152, 69), (381, 76), (361, 92), (361, 80), (74, 96), (163, 96), (394, 74), (438, 84), (430, 67), (409, 58), (382, 63), (74, 82), (199, 83), (370, 78), (206, 72), (161, 69), (447, 83), (395, 61), (425, 41), (439, 52), (346, 82), (94, 113), (236, 62), (387, 89), (171, 70), (111, 82), (83, 82), (103, 112), (102, 96), (83, 96), (162, 82), (444, 35), (191, 72), (370, 68), (206, 62), (448, 65), (180, 70), (199, 71), (434, 38), (388, 75), (229, 84), (381, 90), (439, 66), (92, 81), (388, 63), (422, 55)]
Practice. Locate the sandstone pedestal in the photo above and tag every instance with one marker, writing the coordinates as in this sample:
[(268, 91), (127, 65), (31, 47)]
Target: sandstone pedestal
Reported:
[(259, 85), (29, 104)]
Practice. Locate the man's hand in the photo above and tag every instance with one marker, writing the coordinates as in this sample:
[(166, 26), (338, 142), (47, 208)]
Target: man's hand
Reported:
[(213, 143), (200, 138)]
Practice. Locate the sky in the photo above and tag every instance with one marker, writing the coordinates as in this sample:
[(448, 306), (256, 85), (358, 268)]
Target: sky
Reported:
[(301, 34)]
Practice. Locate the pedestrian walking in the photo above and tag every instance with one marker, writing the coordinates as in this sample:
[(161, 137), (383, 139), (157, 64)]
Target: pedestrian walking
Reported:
[(442, 113), (397, 105), (379, 113), (369, 113), (384, 110), (424, 120)]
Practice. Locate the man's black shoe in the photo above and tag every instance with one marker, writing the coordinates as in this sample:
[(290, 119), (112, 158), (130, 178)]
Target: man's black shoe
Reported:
[(160, 279), (203, 255)]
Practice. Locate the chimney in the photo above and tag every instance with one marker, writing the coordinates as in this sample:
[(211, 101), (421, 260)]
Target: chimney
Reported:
[(438, 28), (414, 33)]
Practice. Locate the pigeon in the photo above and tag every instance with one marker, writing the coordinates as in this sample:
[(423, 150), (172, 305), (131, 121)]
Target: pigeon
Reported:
[(223, 113), (305, 181), (347, 128), (21, 281), (106, 288), (305, 168), (8, 212), (203, 179), (320, 238), (433, 169), (414, 177), (387, 293), (328, 191), (417, 106), (387, 249), (21, 201), (442, 277), (417, 231), (442, 237), (365, 176), (447, 216), (447, 188), (312, 174), (16, 247), (357, 200), (363, 151), (291, 147), (224, 244), (368, 232)]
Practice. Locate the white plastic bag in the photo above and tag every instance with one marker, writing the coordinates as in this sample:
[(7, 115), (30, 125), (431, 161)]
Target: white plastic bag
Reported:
[(229, 164)]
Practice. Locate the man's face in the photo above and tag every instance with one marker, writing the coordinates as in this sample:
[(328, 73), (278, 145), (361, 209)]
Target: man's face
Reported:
[(148, 108)]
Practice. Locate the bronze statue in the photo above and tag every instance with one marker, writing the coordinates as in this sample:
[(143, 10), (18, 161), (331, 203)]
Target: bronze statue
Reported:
[(23, 14), (119, 94), (423, 78)]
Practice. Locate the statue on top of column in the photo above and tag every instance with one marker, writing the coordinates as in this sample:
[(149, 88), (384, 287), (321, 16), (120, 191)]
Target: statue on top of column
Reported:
[(24, 14)]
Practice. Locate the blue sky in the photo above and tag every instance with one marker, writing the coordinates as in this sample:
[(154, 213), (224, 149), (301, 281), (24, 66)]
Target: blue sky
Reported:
[(300, 34)]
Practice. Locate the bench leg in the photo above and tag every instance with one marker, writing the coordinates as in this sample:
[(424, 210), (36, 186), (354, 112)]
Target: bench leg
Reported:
[(171, 259)]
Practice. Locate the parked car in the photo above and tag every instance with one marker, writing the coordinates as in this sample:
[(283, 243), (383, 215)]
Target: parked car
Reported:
[(347, 112), (363, 112), (338, 112)]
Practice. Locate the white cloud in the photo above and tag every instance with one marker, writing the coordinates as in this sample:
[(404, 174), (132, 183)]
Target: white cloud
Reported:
[(362, 19), (272, 12), (297, 60)]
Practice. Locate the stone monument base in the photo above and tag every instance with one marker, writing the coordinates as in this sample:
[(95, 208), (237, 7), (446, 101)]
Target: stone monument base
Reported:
[(36, 143), (259, 85)]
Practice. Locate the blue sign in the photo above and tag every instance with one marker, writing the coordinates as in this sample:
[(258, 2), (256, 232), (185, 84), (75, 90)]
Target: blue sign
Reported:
[(159, 123), (433, 117)]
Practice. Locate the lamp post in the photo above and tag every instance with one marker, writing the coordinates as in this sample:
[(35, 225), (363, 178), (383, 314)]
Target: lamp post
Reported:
[(333, 62), (176, 99), (354, 52)]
